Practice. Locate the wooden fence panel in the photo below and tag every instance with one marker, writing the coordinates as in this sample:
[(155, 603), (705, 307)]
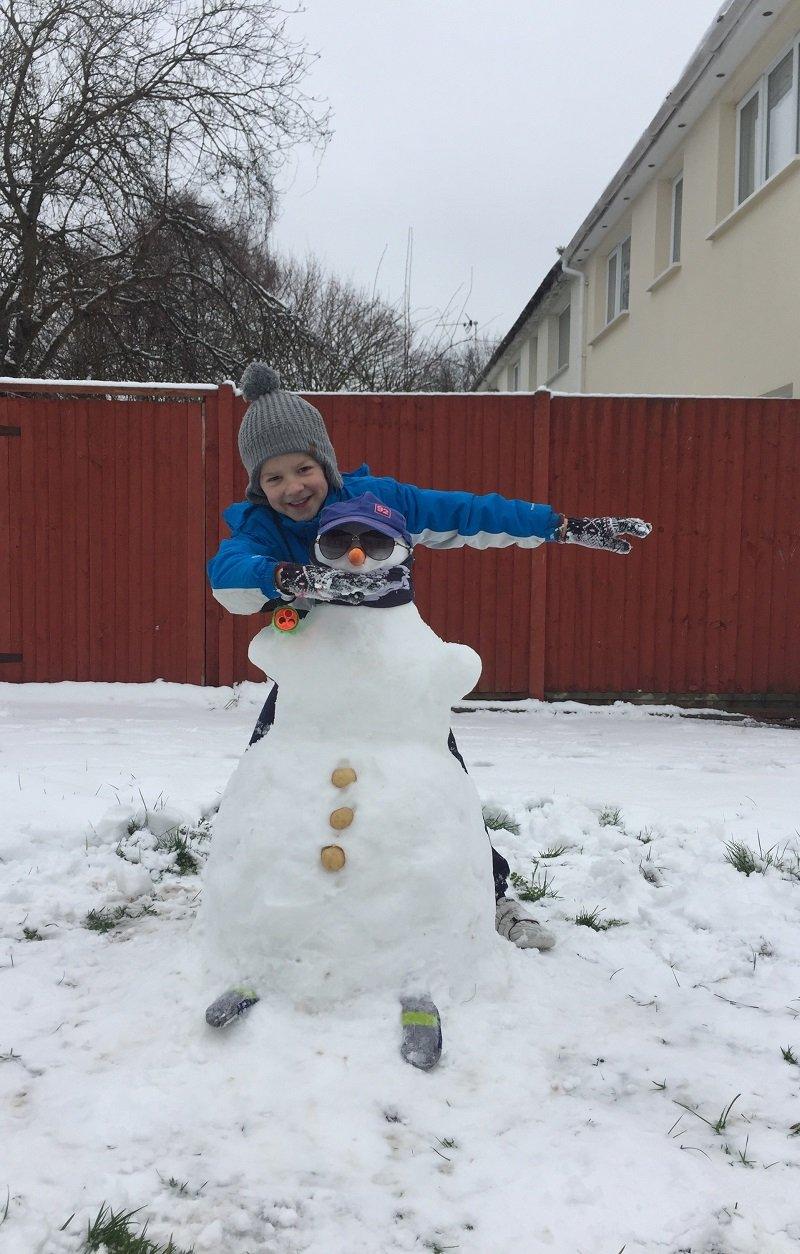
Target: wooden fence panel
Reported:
[(108, 508), (109, 511), (709, 604), (11, 629)]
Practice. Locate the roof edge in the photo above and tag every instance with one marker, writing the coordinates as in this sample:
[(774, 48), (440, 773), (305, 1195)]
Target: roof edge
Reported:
[(547, 284), (727, 20)]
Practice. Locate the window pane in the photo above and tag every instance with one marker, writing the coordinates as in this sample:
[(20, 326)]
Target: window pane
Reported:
[(563, 338), (677, 218), (611, 302), (780, 115), (748, 122), (625, 277)]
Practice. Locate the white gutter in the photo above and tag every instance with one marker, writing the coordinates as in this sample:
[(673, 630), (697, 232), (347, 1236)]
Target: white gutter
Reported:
[(583, 287)]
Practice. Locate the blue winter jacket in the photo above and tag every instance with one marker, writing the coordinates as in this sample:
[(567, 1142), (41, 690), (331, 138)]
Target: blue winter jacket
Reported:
[(242, 574)]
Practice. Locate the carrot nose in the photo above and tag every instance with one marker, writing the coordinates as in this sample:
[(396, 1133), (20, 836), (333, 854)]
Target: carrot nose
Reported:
[(356, 557)]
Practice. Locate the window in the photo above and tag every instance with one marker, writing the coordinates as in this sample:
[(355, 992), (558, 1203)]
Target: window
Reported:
[(677, 218), (513, 377), (619, 280), (563, 339), (767, 125), (533, 363), (781, 127)]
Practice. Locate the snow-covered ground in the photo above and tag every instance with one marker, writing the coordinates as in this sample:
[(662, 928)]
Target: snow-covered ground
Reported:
[(571, 1114)]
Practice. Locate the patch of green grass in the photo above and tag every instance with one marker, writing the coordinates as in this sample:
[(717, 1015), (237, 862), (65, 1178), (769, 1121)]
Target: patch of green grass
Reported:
[(498, 819), (181, 1187), (610, 816), (32, 934), (106, 918), (183, 842), (594, 920), (176, 841), (114, 1232), (539, 885), (788, 1055), (553, 851), (750, 861), (741, 857), (742, 1155), (721, 1122)]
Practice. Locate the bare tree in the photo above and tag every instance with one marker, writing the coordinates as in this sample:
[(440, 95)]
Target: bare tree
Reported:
[(360, 341), (200, 301), (116, 117)]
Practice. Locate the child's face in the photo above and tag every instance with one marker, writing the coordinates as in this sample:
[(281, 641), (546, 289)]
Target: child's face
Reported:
[(294, 484)]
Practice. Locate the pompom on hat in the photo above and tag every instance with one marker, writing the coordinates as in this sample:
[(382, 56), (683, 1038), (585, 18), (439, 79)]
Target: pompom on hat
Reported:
[(278, 422)]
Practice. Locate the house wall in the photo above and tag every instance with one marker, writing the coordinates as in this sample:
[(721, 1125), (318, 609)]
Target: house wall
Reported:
[(726, 320), (535, 347)]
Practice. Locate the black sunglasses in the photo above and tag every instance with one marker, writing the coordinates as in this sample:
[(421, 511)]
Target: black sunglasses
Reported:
[(338, 541)]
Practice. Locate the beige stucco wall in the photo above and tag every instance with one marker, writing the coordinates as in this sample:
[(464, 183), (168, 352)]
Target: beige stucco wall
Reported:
[(726, 321)]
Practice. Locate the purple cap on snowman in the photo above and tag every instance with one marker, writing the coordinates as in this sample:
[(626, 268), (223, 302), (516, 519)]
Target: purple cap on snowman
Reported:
[(365, 511)]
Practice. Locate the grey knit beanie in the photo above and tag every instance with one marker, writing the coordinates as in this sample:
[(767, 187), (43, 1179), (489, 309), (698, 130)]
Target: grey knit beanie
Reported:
[(279, 422)]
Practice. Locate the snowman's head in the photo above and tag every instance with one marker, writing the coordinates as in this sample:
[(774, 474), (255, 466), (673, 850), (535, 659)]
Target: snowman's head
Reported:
[(362, 534)]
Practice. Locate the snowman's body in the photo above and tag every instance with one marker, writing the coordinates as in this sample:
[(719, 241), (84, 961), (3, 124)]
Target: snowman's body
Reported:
[(412, 908)]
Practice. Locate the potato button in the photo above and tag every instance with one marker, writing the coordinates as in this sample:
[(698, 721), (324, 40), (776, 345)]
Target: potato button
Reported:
[(333, 858), (342, 776), (341, 818)]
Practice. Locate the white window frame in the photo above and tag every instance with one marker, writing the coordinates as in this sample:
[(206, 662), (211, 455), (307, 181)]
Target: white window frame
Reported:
[(515, 375), (759, 89), (617, 253), (673, 259), (742, 105)]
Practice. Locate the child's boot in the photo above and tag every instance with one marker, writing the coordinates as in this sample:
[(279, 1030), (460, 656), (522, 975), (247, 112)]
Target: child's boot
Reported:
[(233, 1003), (513, 922), (422, 1032)]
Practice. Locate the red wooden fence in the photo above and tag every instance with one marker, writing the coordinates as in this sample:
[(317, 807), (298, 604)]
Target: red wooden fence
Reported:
[(109, 505)]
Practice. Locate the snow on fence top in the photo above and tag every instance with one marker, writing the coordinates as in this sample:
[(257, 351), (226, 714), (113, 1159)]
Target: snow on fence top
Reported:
[(10, 384)]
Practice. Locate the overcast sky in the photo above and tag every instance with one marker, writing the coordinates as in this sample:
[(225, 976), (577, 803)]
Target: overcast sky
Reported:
[(489, 128)]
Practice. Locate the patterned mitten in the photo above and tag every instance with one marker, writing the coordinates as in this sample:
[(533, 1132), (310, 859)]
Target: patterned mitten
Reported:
[(604, 533), (315, 582)]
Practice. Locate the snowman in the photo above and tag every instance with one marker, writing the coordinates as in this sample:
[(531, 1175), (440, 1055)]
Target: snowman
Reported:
[(349, 855)]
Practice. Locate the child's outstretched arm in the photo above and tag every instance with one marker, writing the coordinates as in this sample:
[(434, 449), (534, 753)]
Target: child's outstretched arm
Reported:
[(450, 520)]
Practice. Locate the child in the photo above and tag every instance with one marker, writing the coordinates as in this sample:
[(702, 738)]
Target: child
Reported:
[(268, 559)]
